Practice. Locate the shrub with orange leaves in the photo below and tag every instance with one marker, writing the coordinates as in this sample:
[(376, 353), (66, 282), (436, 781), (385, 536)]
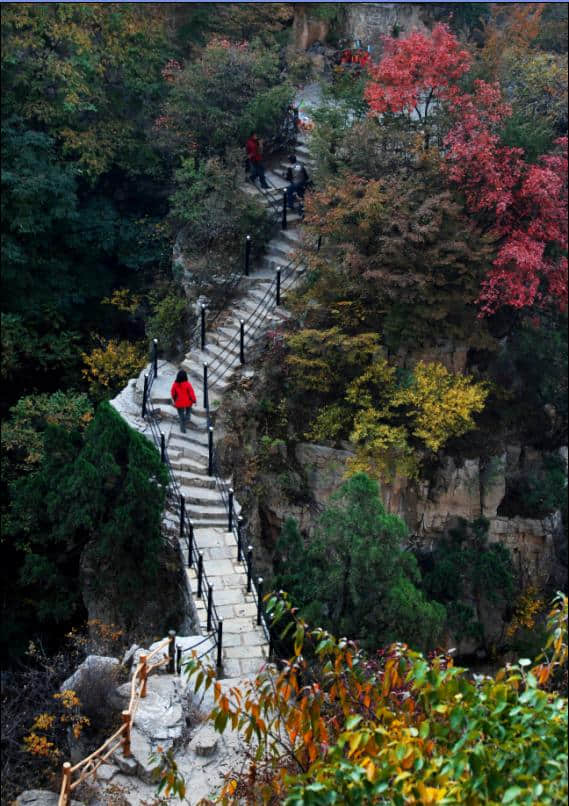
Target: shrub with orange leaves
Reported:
[(398, 729)]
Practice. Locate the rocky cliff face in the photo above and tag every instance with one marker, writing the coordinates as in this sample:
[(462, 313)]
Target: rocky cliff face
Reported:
[(369, 22), (469, 489)]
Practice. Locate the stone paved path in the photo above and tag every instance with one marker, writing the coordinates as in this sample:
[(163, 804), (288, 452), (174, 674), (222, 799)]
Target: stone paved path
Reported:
[(244, 643)]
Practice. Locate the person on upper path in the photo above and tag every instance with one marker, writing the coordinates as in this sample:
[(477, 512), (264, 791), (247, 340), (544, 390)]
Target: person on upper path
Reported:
[(298, 178), (255, 157), (183, 398)]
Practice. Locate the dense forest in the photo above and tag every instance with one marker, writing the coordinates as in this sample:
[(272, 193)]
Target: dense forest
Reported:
[(439, 203)]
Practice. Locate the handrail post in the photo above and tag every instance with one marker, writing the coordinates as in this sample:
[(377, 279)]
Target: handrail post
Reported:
[(249, 567), (178, 659), (209, 607), (278, 301), (202, 327), (295, 123), (247, 254), (241, 341), (145, 395), (205, 395), (155, 356), (182, 516), (172, 651), (259, 600), (143, 675), (210, 451), (283, 220), (239, 536), (200, 574), (65, 784), (230, 515), (191, 543), (162, 448), (219, 642), (125, 716)]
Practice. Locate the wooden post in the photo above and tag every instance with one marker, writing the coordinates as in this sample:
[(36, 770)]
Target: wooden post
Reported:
[(125, 716), (143, 676), (65, 784)]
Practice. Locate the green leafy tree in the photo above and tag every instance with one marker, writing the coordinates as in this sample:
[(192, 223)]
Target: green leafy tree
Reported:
[(354, 575), (402, 729), (467, 572), (100, 490), (216, 101)]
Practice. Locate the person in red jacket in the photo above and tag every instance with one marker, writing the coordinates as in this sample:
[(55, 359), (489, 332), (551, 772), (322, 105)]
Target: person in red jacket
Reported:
[(255, 157), (183, 397)]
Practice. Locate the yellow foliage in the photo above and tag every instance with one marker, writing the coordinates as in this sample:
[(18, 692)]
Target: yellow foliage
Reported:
[(124, 300), (382, 450), (40, 746), (377, 382), (110, 366), (528, 606), (442, 403), (69, 699), (43, 722)]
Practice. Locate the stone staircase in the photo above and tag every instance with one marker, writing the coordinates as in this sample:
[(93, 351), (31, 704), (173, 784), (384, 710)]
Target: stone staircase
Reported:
[(244, 643)]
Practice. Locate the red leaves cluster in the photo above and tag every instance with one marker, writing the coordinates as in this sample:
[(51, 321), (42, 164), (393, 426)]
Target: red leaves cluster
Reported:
[(413, 68), (524, 205)]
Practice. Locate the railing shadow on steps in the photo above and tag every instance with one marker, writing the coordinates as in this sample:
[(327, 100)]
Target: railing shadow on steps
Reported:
[(120, 739)]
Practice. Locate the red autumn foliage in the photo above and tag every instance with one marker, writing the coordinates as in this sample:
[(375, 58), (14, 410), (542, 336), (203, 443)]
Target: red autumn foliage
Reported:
[(416, 69), (524, 205)]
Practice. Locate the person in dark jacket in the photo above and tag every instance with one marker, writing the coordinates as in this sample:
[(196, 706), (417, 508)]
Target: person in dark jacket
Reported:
[(298, 178), (183, 397), (255, 157)]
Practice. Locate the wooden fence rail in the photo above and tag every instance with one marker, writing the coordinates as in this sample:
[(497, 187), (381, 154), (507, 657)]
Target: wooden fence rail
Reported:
[(74, 775)]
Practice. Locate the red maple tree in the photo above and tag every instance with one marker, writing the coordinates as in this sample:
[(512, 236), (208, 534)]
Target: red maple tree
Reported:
[(524, 205)]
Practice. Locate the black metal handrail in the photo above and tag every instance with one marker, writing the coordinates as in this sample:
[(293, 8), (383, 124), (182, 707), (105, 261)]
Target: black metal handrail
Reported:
[(268, 301), (266, 304)]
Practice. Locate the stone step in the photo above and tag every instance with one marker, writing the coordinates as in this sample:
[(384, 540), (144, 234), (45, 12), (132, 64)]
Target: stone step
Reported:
[(188, 478), (191, 437), (277, 182), (280, 257), (184, 464), (212, 516), (189, 450), (203, 497)]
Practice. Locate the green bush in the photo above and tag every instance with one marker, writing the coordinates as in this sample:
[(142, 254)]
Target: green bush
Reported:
[(353, 575), (169, 321)]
